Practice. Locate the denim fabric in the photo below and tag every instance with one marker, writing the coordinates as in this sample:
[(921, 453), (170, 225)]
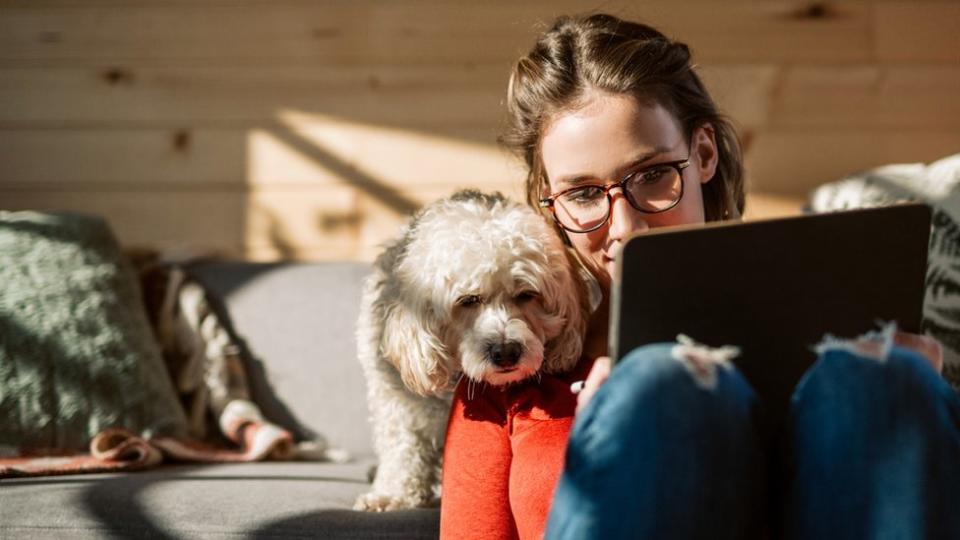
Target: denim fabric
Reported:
[(875, 450), (872, 451)]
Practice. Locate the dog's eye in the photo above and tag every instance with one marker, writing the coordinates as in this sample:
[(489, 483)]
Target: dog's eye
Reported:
[(526, 296), (468, 300)]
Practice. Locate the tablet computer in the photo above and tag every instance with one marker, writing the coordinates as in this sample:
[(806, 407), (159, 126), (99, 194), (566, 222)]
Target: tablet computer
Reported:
[(773, 288)]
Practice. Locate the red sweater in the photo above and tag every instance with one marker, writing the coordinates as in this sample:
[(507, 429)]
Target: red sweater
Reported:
[(503, 456)]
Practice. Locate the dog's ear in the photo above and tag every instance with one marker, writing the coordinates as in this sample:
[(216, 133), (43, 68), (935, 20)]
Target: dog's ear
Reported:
[(411, 342), (568, 301)]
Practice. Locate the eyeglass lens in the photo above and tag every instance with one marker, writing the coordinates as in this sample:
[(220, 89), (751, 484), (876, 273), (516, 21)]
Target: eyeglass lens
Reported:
[(587, 207)]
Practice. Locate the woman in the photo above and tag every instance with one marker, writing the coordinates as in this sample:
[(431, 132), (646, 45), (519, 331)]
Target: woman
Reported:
[(619, 135)]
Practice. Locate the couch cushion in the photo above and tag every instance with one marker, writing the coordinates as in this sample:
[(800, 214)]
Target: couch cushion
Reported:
[(76, 351), (253, 500), (297, 322)]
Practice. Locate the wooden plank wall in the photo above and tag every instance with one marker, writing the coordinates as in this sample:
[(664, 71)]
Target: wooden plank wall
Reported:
[(310, 129)]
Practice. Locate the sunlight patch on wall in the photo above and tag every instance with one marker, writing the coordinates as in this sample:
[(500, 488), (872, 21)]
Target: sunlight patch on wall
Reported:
[(321, 187), (304, 148)]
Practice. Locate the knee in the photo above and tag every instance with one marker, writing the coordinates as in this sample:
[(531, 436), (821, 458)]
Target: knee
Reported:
[(897, 385), (654, 408), (661, 385), (840, 372), (666, 374), (880, 431)]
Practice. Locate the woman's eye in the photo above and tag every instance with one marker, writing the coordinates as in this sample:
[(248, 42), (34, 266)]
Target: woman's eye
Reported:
[(585, 195), (651, 176), (468, 300)]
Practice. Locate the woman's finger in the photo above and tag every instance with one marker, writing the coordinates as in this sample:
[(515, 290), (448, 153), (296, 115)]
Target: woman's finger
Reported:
[(927, 346), (598, 374)]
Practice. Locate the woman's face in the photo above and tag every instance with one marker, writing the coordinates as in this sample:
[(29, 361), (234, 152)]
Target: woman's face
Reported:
[(608, 138)]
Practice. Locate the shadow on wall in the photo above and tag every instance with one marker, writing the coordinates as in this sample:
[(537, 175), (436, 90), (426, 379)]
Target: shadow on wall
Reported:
[(370, 184), (278, 234), (152, 128)]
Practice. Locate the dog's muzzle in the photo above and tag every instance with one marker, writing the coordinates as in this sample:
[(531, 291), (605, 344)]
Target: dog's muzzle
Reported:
[(505, 354)]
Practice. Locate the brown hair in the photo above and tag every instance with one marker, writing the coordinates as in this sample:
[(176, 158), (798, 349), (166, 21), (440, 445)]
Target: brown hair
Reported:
[(606, 53)]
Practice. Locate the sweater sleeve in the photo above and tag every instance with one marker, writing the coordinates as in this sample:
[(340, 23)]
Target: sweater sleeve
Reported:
[(475, 502)]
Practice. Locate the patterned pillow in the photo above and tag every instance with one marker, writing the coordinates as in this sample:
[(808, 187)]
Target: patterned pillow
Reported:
[(76, 351), (937, 184)]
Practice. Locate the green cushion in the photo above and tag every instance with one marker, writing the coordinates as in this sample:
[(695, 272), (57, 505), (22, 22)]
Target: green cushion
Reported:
[(77, 354)]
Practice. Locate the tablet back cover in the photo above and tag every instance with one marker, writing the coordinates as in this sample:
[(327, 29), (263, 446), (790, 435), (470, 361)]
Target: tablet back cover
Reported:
[(773, 288)]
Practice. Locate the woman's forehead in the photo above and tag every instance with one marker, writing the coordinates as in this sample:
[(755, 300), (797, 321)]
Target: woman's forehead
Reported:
[(606, 134)]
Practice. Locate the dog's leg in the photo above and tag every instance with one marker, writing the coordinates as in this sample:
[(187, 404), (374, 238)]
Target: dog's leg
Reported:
[(408, 429), (408, 438)]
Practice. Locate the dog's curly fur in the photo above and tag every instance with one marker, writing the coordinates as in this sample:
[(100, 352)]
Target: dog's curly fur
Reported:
[(476, 286)]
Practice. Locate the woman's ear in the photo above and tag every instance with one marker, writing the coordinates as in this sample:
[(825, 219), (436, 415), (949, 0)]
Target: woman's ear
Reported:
[(703, 152), (411, 342)]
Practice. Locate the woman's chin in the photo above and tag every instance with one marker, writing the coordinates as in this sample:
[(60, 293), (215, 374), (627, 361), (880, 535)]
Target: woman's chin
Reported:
[(610, 266)]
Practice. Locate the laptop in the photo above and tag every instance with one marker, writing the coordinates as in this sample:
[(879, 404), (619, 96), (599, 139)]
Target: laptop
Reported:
[(774, 288)]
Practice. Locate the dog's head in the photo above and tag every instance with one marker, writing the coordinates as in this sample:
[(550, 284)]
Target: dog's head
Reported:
[(488, 290)]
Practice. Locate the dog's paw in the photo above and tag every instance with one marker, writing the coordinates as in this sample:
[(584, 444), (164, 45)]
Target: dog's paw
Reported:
[(381, 502)]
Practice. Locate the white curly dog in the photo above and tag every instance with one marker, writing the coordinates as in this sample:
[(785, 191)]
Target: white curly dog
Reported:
[(476, 286)]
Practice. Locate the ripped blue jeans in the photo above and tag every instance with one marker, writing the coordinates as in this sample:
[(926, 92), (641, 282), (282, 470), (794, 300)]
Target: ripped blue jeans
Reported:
[(671, 448)]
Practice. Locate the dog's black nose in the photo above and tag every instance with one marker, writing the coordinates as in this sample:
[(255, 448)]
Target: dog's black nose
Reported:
[(505, 354)]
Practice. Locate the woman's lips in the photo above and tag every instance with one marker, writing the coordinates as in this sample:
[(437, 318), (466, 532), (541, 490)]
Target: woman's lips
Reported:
[(611, 252)]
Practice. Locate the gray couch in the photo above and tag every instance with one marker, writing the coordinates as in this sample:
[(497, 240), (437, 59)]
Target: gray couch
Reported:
[(296, 321)]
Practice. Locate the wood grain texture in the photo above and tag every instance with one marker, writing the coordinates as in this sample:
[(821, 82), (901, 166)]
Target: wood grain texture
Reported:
[(917, 31), (305, 153), (863, 96), (419, 32), (173, 222), (124, 96), (793, 163), (302, 129)]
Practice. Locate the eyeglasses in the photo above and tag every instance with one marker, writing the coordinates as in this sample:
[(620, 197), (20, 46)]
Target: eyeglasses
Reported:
[(586, 208)]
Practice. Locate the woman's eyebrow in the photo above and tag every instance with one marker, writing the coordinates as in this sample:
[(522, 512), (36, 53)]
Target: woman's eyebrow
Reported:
[(576, 179), (643, 158)]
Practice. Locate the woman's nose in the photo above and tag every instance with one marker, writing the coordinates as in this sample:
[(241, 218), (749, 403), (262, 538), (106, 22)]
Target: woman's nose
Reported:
[(624, 219)]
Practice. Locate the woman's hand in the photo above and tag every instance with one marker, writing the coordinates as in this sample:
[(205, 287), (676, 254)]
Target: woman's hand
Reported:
[(927, 346), (598, 374)]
